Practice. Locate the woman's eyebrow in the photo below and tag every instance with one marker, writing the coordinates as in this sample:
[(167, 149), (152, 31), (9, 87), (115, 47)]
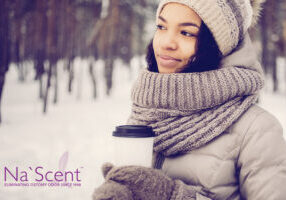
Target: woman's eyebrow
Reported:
[(181, 24), (189, 24)]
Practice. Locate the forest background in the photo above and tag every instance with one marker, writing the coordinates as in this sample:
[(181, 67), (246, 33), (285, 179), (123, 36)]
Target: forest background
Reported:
[(44, 32)]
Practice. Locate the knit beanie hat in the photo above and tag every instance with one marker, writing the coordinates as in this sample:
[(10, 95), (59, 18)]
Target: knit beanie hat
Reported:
[(228, 20)]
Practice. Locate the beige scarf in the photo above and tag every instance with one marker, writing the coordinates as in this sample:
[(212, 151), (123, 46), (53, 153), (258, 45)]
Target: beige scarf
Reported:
[(188, 110)]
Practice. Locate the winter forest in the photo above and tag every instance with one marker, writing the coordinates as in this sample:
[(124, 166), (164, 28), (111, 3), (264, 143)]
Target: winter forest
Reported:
[(43, 33), (66, 71)]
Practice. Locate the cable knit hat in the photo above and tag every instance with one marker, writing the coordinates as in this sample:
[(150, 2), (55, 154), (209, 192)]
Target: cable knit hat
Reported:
[(228, 20)]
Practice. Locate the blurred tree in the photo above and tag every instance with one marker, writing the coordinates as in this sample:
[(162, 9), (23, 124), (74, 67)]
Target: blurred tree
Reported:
[(19, 29), (88, 14), (93, 79), (51, 48), (119, 33), (5, 45), (105, 37), (272, 37), (69, 33), (46, 31), (39, 56)]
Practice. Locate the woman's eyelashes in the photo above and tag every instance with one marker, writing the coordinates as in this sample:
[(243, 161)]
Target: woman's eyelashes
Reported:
[(183, 32), (188, 34), (160, 27)]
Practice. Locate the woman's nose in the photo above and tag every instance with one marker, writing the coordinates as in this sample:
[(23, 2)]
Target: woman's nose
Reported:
[(169, 42)]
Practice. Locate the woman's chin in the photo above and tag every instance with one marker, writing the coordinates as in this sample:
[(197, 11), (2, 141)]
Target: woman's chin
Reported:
[(168, 70)]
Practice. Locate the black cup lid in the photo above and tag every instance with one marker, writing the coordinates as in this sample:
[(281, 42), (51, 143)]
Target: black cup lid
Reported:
[(133, 131)]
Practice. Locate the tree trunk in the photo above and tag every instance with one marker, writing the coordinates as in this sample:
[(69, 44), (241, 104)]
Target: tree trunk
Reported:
[(40, 43), (21, 72), (46, 96), (71, 75), (4, 46), (93, 79), (2, 81), (274, 75), (41, 91), (18, 32), (273, 59), (269, 31), (108, 72), (51, 47), (264, 41), (79, 82), (275, 41), (56, 86)]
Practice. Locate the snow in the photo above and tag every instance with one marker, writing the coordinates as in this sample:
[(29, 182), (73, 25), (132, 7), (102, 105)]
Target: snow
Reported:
[(76, 132)]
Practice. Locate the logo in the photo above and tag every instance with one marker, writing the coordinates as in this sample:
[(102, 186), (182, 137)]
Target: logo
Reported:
[(40, 176)]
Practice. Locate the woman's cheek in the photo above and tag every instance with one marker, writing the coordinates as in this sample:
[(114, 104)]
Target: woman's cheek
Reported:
[(189, 49), (156, 42)]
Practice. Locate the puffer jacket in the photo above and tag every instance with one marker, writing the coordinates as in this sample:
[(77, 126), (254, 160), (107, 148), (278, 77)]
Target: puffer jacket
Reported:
[(247, 162)]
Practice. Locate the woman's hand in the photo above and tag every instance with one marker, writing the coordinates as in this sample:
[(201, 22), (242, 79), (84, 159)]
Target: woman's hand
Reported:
[(145, 183), (140, 183), (111, 190)]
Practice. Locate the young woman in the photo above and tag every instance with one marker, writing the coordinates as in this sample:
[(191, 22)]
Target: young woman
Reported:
[(199, 93)]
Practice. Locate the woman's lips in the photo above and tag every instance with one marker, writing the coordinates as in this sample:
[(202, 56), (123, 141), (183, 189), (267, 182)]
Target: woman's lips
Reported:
[(167, 61)]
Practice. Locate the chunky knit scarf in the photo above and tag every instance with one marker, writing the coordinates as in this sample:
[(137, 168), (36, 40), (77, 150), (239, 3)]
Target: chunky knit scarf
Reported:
[(188, 110)]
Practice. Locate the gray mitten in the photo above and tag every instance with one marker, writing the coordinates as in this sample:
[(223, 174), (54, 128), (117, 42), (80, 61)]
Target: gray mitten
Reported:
[(111, 190), (147, 183)]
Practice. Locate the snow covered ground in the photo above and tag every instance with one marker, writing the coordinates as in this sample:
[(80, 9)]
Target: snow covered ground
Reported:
[(75, 133)]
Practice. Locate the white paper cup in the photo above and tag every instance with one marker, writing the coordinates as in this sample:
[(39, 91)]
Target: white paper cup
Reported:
[(133, 145)]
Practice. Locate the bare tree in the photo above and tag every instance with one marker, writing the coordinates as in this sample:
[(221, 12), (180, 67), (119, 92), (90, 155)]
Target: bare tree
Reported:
[(40, 19), (272, 37), (93, 79), (51, 49), (5, 45)]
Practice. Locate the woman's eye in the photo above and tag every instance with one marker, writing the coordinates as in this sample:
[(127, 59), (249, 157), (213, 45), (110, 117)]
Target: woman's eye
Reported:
[(185, 33), (160, 27)]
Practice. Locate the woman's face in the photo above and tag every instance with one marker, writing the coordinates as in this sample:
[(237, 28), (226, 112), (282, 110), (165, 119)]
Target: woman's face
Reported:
[(175, 40)]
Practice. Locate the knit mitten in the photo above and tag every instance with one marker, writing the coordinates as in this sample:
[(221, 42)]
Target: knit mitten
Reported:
[(111, 190), (146, 183)]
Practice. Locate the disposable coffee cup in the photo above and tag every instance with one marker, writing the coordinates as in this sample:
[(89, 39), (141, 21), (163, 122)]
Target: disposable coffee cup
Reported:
[(133, 145)]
